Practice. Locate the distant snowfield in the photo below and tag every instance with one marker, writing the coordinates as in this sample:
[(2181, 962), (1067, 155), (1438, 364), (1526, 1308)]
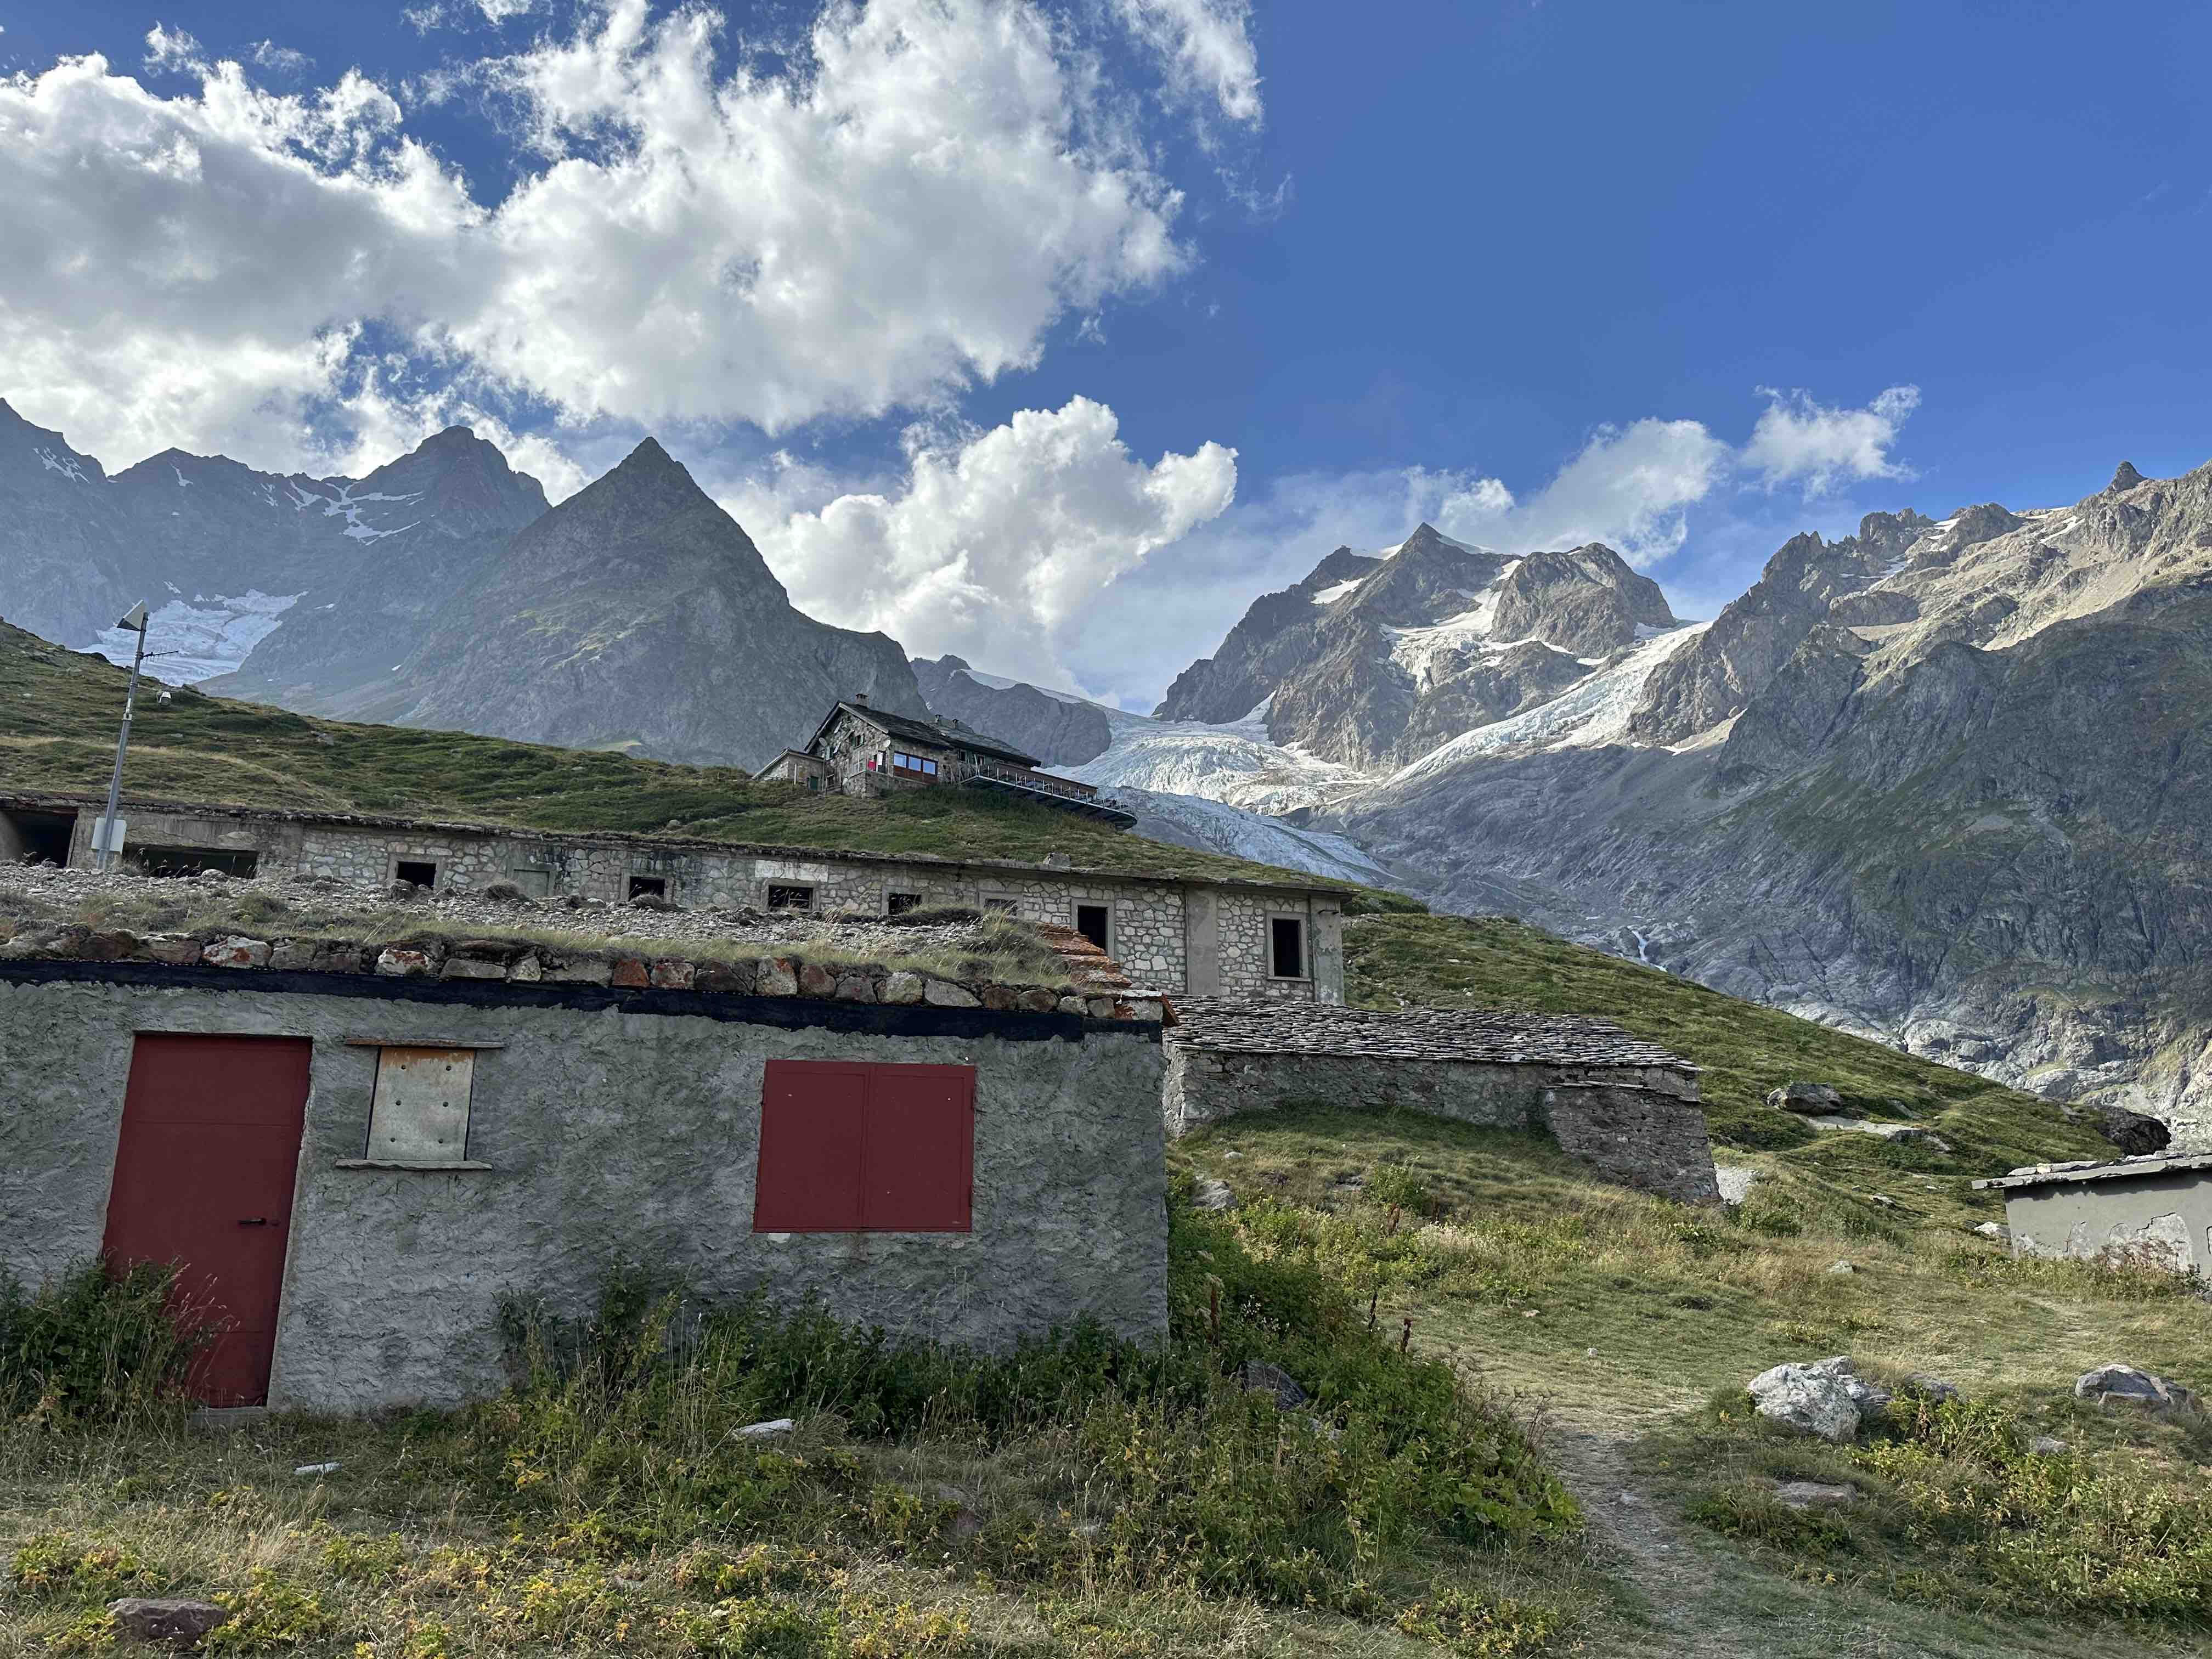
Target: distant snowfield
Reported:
[(1592, 712), (188, 640), (1234, 763)]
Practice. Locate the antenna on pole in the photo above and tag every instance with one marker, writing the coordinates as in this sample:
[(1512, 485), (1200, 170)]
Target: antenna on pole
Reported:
[(107, 836)]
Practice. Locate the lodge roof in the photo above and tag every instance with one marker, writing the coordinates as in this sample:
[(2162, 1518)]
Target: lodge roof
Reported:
[(1489, 1035), (35, 800), (954, 736), (2142, 1163)]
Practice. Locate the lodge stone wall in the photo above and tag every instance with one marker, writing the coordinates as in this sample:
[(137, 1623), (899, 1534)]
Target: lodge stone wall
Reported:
[(1182, 937), (608, 1128)]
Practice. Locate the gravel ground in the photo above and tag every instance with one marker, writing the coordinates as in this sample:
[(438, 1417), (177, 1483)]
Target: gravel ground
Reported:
[(43, 893)]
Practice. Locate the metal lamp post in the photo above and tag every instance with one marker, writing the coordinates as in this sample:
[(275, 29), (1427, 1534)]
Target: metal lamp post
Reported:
[(136, 621)]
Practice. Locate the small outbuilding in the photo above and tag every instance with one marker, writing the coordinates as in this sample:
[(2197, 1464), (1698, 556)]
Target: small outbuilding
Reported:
[(1627, 1107), (357, 1151), (2156, 1208)]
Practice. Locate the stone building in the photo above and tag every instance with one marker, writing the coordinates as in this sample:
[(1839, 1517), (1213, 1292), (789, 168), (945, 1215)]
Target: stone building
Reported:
[(2156, 1208), (1175, 934), (862, 750), (357, 1153), (1627, 1107)]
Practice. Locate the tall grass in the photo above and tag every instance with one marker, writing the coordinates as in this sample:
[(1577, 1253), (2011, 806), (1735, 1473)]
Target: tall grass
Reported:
[(93, 1346)]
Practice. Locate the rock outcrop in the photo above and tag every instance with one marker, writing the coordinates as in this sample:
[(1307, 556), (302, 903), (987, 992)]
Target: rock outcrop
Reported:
[(1058, 731)]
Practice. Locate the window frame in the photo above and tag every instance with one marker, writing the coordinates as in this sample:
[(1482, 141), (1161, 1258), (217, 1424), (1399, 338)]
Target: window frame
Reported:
[(811, 888), (1305, 947), (631, 889), (790, 1113), (892, 907), (434, 866), (382, 1089)]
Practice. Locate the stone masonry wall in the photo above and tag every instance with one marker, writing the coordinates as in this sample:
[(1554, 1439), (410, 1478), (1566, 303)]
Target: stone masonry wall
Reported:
[(611, 1136), (1639, 1126), (1156, 926)]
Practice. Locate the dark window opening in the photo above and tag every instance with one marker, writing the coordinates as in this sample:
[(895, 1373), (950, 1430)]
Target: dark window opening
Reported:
[(781, 896), (1003, 906), (865, 1148), (648, 886), (44, 835), (190, 860), (1288, 940), (897, 904), (420, 871), (1091, 922)]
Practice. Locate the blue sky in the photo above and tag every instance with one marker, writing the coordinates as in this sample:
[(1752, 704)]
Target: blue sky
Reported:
[(1685, 277)]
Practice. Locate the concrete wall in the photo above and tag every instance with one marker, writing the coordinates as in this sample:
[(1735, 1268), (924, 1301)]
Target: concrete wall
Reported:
[(1637, 1125), (1159, 929), (612, 1136), (2167, 1216)]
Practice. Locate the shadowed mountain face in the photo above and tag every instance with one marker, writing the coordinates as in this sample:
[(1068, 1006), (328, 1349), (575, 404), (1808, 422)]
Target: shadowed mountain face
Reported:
[(1372, 662), (1058, 731), (637, 614), (1948, 784)]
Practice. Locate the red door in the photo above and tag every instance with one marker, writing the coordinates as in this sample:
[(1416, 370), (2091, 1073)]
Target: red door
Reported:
[(203, 1174)]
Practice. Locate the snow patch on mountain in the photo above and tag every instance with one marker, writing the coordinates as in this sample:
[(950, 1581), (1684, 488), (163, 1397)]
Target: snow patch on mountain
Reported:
[(65, 463), (1194, 821), (1235, 763), (1588, 715), (188, 640), (1330, 595)]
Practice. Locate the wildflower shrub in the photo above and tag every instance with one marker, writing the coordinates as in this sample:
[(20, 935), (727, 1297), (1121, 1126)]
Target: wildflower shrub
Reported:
[(92, 1346), (1150, 1467)]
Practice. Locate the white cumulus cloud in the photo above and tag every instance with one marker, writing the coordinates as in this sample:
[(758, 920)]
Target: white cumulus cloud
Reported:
[(901, 208), (1207, 46), (995, 544), (1799, 440)]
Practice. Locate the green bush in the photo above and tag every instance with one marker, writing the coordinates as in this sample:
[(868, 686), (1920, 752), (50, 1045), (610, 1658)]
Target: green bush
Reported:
[(90, 1346)]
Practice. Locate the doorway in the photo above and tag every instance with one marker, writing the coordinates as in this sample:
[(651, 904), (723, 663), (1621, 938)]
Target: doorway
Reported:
[(205, 1168), (1092, 921)]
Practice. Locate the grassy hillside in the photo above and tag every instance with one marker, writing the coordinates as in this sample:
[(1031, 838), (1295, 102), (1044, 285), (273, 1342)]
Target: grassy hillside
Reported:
[(58, 711)]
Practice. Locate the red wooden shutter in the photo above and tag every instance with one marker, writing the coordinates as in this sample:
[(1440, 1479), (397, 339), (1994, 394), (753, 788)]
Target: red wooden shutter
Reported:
[(918, 1163), (809, 1180), (849, 1148)]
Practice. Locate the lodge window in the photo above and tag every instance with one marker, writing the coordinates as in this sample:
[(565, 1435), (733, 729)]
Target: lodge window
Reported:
[(1093, 922), (1287, 947), (420, 871), (914, 766), (855, 1148), (790, 896), (418, 1115), (897, 904), (648, 886)]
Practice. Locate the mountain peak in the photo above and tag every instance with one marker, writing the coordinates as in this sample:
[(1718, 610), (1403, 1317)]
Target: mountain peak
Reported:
[(2126, 478)]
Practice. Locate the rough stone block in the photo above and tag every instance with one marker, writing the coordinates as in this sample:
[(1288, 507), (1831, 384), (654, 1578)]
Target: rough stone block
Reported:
[(1144, 1009), (1038, 1002), (729, 978), (175, 948), (943, 994), (167, 1621), (902, 988), (629, 973), (342, 959), (529, 971), (112, 946), (579, 970), (471, 967), (999, 997), (772, 977), (673, 976), (816, 981), (1073, 1006), (237, 952), (294, 956), (1100, 1007), (395, 963), (855, 987)]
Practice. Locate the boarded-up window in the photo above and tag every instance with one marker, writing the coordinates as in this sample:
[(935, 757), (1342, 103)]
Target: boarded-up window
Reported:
[(848, 1147), (420, 1112), (789, 895)]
